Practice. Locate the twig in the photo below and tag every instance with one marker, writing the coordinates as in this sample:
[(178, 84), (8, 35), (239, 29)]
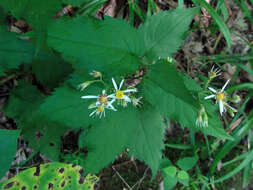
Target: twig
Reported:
[(122, 178), (4, 80), (140, 181)]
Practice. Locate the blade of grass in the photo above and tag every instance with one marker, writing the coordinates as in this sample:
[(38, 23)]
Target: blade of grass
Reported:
[(240, 132), (245, 162), (223, 27), (243, 86), (179, 146)]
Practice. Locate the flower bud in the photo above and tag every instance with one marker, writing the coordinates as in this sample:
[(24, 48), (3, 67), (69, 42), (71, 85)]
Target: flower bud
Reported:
[(95, 74), (235, 98), (82, 86)]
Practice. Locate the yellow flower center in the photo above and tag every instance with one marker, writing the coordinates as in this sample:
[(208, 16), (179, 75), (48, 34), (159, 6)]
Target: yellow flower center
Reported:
[(119, 94), (220, 96), (103, 99), (212, 74), (100, 109)]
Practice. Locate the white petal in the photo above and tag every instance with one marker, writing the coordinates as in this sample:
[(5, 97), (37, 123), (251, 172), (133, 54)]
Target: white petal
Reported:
[(101, 114), (92, 113), (111, 96), (126, 98), (211, 96), (212, 89), (225, 85), (103, 92), (221, 106), (114, 84), (130, 90), (87, 97), (121, 83), (212, 68)]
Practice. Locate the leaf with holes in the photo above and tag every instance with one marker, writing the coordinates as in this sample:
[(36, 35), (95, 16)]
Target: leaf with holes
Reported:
[(51, 176)]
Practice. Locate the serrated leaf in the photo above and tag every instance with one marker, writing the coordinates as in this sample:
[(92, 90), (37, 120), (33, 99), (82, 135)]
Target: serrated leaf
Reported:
[(163, 33), (51, 176), (164, 88), (167, 78), (13, 51), (8, 148), (36, 12), (170, 93), (110, 46), (130, 128), (42, 135), (66, 107), (50, 69), (108, 138), (187, 163), (146, 143)]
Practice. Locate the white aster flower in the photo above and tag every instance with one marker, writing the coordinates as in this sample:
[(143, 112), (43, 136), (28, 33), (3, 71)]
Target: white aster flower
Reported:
[(121, 94), (220, 97), (101, 99), (100, 108), (214, 73)]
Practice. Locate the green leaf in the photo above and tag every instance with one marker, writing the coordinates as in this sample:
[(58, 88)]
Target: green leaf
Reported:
[(111, 46), (224, 29), (49, 69), (23, 101), (130, 128), (108, 138), (165, 77), (8, 148), (42, 135), (169, 182), (66, 107), (75, 3), (164, 88), (150, 126), (183, 178), (169, 175), (187, 163), (36, 12), (170, 171), (170, 92), (51, 176), (163, 33), (13, 51)]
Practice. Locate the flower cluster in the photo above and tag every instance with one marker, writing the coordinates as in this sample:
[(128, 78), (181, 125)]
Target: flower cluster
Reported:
[(105, 101)]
